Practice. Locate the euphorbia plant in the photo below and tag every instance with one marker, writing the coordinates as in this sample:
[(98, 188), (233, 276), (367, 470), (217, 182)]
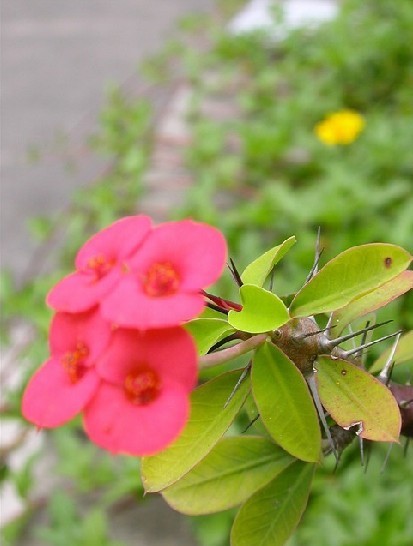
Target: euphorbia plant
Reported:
[(127, 340)]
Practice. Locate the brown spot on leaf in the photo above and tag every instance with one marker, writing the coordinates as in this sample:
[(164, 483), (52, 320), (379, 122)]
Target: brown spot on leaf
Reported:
[(387, 262), (343, 372)]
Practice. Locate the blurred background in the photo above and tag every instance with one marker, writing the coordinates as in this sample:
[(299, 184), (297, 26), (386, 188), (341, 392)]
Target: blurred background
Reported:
[(208, 109)]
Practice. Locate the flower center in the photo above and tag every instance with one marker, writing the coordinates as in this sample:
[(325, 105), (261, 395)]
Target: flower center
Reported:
[(100, 266), (74, 362), (161, 279), (142, 386)]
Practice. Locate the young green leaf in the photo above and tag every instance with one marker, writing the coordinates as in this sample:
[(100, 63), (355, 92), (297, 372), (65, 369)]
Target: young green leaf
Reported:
[(209, 419), (354, 398), (230, 473), (285, 404), (404, 352), (257, 271), (348, 276), (207, 331), (270, 516), (262, 311), (373, 300)]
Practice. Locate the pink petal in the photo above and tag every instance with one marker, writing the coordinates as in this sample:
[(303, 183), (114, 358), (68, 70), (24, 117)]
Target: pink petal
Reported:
[(68, 329), (170, 352), (79, 292), (115, 424), (118, 240), (198, 252), (50, 399), (128, 306)]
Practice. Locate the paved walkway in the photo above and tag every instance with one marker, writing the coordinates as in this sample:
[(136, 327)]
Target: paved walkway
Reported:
[(57, 59)]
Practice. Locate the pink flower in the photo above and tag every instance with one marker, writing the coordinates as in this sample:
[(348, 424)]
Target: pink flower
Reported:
[(142, 405), (163, 279), (99, 265), (67, 381)]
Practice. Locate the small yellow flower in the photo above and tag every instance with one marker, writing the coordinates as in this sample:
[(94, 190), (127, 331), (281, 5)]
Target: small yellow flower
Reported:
[(342, 127)]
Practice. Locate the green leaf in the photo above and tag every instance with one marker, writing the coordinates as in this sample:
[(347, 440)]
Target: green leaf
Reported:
[(208, 422), (404, 352), (349, 275), (285, 403), (353, 397), (270, 516), (373, 300), (262, 311), (257, 271), (234, 469), (207, 331)]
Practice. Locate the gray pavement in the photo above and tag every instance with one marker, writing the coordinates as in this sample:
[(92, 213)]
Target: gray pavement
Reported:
[(57, 59)]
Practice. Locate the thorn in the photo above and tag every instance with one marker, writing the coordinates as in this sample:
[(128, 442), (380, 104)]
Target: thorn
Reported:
[(361, 443), (329, 326), (217, 308), (317, 256), (385, 374), (272, 280), (383, 468), (222, 342), (353, 351), (251, 423), (334, 342), (303, 336), (314, 391), (234, 272), (242, 378), (362, 342)]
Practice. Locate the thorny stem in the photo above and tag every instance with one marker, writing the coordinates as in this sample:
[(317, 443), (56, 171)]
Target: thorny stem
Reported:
[(219, 357)]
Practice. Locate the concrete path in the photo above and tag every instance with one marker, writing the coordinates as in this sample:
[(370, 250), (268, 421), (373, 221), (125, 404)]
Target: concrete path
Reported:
[(57, 59)]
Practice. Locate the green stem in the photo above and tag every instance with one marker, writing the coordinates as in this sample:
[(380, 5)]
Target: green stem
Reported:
[(214, 359)]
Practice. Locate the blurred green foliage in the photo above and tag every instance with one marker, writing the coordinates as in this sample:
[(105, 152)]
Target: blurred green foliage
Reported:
[(260, 175)]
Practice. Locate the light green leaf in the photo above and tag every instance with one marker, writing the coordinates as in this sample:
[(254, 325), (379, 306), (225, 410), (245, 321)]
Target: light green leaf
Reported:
[(373, 300), (262, 311), (230, 473), (348, 276), (208, 422), (353, 397), (207, 331), (285, 403), (404, 352), (270, 516), (257, 271)]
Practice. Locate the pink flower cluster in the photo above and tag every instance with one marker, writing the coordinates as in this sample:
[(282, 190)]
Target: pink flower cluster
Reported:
[(118, 351)]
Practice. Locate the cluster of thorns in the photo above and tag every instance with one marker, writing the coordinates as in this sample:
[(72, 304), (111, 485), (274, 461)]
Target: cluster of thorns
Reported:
[(303, 341)]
